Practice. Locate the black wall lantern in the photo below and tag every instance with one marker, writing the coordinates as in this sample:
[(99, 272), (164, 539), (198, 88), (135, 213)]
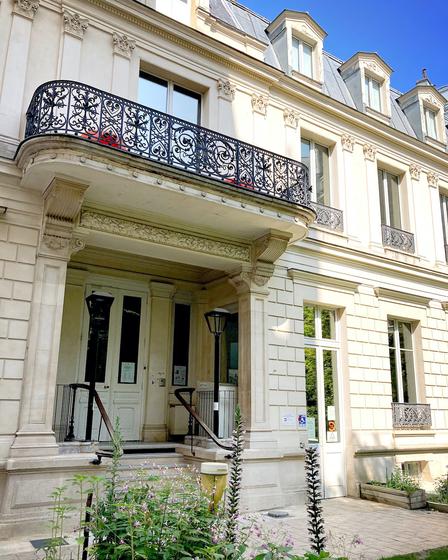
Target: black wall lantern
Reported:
[(98, 304), (216, 322)]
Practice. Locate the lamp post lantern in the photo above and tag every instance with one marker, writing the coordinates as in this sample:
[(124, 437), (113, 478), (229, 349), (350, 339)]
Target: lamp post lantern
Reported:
[(98, 304), (216, 322)]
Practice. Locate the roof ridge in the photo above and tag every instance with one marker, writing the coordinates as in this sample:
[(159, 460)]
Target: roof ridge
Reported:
[(245, 8)]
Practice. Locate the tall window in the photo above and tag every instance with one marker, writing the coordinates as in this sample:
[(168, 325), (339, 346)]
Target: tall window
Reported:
[(321, 359), (430, 123), (302, 57), (401, 357), (389, 199), (444, 209), (169, 98), (316, 158), (372, 93)]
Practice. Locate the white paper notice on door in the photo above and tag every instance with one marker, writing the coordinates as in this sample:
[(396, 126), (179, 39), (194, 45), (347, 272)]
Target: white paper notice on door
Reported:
[(127, 373), (180, 375)]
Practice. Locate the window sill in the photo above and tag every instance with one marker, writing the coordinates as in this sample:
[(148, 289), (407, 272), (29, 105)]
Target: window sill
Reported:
[(414, 432), (377, 114)]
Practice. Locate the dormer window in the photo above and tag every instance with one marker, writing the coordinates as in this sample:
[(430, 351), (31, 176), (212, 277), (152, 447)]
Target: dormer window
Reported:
[(373, 93), (430, 123), (302, 57)]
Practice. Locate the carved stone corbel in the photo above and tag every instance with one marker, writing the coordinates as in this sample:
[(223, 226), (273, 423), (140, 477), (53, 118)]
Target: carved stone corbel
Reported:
[(226, 90), (62, 204)]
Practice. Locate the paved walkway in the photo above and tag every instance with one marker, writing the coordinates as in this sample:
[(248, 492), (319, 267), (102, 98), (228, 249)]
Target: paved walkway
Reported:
[(384, 530)]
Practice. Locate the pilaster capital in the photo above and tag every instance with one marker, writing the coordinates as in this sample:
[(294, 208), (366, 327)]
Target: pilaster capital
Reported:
[(415, 170), (62, 203), (348, 142), (260, 103), (291, 117), (226, 90), (369, 152), (26, 8), (123, 45), (433, 179), (162, 290), (74, 24), (252, 279)]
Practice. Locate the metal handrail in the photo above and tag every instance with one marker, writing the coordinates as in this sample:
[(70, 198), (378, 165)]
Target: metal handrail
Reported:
[(195, 415), (75, 109)]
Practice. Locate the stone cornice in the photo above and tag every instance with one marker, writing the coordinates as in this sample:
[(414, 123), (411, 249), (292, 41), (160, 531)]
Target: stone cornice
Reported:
[(305, 277), (133, 229), (400, 296)]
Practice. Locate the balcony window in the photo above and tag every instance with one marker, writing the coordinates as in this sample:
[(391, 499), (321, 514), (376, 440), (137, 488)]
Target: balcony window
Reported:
[(302, 57), (389, 199), (168, 97), (373, 93), (316, 158), (430, 123), (401, 355), (444, 209)]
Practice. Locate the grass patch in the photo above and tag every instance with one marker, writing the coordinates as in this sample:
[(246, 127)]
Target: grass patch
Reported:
[(434, 554)]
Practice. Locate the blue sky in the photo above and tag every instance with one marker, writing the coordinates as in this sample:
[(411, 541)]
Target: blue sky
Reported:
[(408, 34)]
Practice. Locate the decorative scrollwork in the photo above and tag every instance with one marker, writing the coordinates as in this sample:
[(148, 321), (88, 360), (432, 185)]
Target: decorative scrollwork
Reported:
[(398, 239), (331, 218), (411, 416), (70, 108)]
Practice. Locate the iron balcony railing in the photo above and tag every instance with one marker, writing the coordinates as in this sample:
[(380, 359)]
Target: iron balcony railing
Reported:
[(74, 109), (411, 416), (398, 239), (329, 217)]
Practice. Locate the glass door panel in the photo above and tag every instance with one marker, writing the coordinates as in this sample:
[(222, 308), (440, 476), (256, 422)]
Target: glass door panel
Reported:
[(312, 408)]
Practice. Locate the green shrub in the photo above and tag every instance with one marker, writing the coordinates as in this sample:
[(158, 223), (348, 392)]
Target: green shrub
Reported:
[(441, 490), (401, 481)]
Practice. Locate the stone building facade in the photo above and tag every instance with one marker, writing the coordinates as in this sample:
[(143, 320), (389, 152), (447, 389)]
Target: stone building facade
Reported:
[(338, 331)]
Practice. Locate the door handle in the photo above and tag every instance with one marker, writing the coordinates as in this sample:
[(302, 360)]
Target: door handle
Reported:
[(106, 387)]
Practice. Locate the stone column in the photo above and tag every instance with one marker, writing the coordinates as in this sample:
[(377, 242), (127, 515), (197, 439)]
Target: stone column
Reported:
[(15, 68), (433, 187), (350, 207), (74, 28), (373, 198), (62, 202), (225, 97), (156, 412), (292, 134), (260, 134), (123, 48)]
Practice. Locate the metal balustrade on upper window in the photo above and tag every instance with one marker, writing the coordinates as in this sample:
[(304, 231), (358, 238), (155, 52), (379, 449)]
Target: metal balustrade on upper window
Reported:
[(398, 239), (326, 216), (77, 110), (407, 416)]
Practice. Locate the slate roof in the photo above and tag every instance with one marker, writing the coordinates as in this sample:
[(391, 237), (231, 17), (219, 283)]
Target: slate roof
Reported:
[(239, 17)]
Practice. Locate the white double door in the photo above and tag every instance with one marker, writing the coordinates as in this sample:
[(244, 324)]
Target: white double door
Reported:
[(120, 367)]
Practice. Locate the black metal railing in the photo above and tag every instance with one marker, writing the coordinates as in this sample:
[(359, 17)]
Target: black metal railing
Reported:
[(398, 239), (74, 109), (329, 217), (411, 416), (227, 404)]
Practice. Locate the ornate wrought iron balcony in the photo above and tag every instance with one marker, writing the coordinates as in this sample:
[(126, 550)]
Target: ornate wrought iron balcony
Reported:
[(411, 416), (73, 109), (398, 239), (331, 218)]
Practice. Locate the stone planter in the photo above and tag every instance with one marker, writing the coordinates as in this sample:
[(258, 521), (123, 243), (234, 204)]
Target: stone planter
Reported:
[(438, 506), (393, 497)]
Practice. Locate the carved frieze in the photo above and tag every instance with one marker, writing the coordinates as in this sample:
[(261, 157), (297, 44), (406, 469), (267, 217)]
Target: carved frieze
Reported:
[(26, 8), (291, 117), (415, 170), (433, 178), (369, 152), (431, 100), (260, 103), (123, 45), (74, 24), (163, 236), (226, 90), (348, 142)]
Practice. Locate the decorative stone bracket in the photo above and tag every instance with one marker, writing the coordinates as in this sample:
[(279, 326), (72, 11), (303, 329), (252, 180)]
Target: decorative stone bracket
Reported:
[(62, 204)]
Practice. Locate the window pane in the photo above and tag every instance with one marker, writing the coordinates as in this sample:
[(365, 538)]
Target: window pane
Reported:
[(96, 358), (305, 151), (327, 317), (430, 118), (295, 54), (390, 332), (186, 105), (375, 95), (405, 332), (130, 337), (330, 385), (443, 208), (384, 213), (230, 350), (307, 60), (309, 328), (153, 92), (312, 417), (322, 175), (393, 375), (394, 201)]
